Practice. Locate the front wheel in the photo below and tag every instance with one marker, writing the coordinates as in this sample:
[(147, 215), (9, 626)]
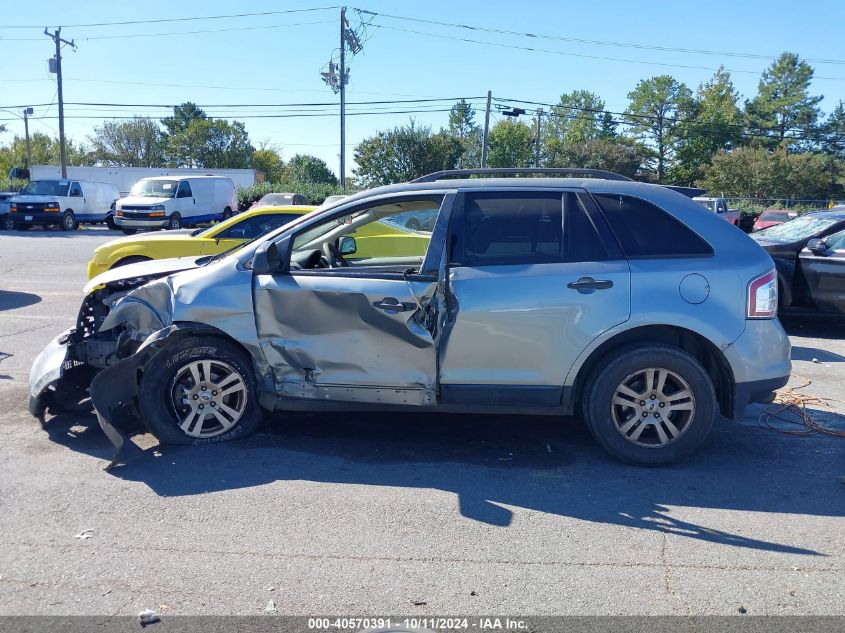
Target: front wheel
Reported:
[(175, 222), (110, 222), (69, 222), (650, 405), (129, 231), (199, 390), (8, 224)]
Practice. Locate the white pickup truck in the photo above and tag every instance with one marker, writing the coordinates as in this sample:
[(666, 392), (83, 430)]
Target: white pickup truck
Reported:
[(719, 206)]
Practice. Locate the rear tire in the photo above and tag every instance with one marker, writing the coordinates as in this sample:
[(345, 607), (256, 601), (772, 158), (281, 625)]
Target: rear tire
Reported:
[(69, 222), (175, 222), (669, 426), (181, 393)]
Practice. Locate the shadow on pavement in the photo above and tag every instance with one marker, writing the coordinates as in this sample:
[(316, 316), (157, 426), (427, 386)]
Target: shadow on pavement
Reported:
[(9, 299), (815, 354), (492, 462)]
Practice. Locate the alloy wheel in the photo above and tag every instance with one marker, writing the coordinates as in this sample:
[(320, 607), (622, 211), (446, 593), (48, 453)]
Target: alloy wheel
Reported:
[(209, 398)]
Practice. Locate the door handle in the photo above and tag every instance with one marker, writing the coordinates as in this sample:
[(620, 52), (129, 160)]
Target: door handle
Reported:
[(389, 304), (586, 285)]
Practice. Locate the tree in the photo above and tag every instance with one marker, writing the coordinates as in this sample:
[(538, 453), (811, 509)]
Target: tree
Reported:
[(783, 100), (511, 144), (833, 133), (404, 153), (756, 172), (135, 143), (656, 105), (578, 117), (716, 124), (621, 157), (268, 161), (211, 143), (182, 117), (305, 168), (45, 151), (462, 127)]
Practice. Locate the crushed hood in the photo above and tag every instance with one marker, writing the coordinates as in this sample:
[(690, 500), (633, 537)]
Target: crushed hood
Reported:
[(150, 269)]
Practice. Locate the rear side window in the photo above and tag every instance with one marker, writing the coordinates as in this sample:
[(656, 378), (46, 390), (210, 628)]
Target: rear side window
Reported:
[(506, 228), (645, 230)]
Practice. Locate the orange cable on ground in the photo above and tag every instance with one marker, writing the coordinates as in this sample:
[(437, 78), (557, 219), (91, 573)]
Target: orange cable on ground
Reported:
[(790, 407)]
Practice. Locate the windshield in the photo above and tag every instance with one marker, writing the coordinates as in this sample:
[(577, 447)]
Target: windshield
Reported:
[(47, 187), (154, 188), (276, 199), (798, 229), (707, 204)]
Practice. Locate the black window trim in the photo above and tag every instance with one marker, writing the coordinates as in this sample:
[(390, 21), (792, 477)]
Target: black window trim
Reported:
[(708, 255)]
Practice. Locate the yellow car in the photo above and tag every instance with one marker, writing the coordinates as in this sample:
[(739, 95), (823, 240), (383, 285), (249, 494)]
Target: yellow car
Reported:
[(220, 237)]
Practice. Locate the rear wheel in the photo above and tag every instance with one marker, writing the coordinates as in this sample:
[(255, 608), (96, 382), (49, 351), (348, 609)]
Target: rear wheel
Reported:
[(175, 222), (199, 390), (69, 222), (650, 405)]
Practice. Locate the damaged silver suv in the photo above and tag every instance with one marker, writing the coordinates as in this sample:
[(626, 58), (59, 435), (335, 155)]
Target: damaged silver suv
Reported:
[(625, 302)]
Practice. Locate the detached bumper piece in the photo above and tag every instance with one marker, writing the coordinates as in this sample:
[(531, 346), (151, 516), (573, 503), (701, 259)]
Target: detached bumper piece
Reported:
[(757, 391)]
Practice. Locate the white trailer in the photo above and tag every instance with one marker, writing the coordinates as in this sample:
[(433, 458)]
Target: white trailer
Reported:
[(124, 177)]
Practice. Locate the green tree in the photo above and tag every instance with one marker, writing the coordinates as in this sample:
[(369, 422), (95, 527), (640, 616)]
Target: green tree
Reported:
[(182, 117), (578, 117), (715, 124), (622, 156), (756, 172), (462, 126), (211, 143), (268, 160), (833, 133), (45, 151), (404, 153), (306, 168), (135, 143), (783, 100), (511, 144), (656, 105)]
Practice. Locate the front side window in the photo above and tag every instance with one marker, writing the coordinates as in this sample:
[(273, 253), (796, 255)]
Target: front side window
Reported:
[(184, 190), (377, 238), (836, 242), (75, 190), (645, 230)]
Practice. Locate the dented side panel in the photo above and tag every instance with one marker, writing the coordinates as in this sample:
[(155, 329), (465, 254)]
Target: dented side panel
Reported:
[(325, 337)]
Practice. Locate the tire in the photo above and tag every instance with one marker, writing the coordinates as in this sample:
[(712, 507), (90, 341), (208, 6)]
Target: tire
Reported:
[(7, 223), (22, 227), (110, 222), (175, 222), (168, 373), (69, 222), (134, 259), (657, 444), (129, 231), (227, 213)]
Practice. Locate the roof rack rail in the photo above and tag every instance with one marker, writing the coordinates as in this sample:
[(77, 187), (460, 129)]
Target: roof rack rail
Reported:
[(520, 171)]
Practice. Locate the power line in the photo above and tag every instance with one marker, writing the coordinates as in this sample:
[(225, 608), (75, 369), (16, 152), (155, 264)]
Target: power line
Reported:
[(578, 40), (580, 55), (185, 19)]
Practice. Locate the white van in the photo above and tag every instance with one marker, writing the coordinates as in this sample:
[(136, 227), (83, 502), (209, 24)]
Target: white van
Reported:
[(64, 202), (173, 202)]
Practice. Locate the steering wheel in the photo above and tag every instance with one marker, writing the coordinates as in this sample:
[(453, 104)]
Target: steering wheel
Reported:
[(333, 256)]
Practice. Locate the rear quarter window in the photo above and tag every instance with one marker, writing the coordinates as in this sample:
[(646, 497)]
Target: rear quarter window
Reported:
[(645, 230)]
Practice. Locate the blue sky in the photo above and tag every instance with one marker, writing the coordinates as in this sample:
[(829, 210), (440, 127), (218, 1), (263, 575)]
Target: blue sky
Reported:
[(280, 62)]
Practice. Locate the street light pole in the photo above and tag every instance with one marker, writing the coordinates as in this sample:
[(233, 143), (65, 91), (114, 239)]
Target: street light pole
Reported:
[(26, 114)]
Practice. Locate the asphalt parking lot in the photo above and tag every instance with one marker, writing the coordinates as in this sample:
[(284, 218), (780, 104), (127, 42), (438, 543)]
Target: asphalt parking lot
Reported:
[(422, 514)]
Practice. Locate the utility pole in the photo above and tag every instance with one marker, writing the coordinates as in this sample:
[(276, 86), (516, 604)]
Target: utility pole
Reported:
[(26, 114), (537, 138), (486, 130), (57, 39), (343, 96)]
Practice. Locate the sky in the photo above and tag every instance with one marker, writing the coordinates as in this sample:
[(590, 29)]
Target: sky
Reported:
[(273, 60)]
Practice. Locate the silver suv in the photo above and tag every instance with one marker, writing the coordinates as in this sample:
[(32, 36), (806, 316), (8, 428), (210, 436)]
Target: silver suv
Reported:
[(627, 303)]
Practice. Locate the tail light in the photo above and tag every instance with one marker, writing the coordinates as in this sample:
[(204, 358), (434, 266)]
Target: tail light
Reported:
[(762, 300)]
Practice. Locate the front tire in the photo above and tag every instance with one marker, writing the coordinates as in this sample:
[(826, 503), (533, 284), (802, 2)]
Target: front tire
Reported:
[(8, 223), (199, 390), (129, 231), (650, 405), (110, 222), (69, 222), (175, 222)]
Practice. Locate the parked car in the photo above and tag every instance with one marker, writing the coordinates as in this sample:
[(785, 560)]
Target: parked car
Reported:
[(219, 238), (280, 200), (719, 206), (773, 217), (593, 294), (66, 203), (6, 223), (173, 201), (333, 199), (823, 264), (785, 241), (416, 221)]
